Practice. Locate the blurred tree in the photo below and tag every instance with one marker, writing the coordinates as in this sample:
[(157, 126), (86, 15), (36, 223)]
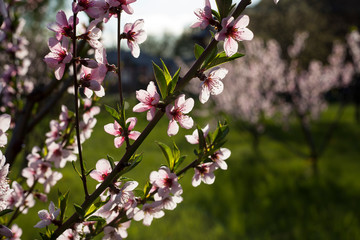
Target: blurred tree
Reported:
[(324, 20)]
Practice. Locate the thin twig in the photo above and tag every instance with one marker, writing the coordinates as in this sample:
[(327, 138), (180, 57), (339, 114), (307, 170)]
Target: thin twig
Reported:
[(76, 88)]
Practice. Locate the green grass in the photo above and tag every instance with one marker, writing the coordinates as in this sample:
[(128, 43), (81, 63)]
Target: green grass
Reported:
[(265, 195)]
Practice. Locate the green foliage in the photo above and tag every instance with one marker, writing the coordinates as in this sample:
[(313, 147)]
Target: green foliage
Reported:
[(5, 211), (62, 202), (224, 7), (165, 82), (172, 156)]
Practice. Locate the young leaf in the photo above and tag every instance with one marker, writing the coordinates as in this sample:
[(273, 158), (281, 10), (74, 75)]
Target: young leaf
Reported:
[(111, 161), (210, 58), (161, 80), (202, 142), (179, 162), (113, 113), (63, 200), (198, 50), (133, 162), (216, 15), (79, 210), (222, 58), (73, 164), (5, 211), (224, 7), (147, 188), (167, 153), (173, 82), (166, 73), (96, 219)]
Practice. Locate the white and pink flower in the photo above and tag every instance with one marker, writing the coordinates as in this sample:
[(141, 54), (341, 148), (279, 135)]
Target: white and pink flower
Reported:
[(58, 57), (5, 120), (233, 31), (63, 27), (148, 101), (102, 170), (47, 217), (135, 35), (165, 181), (194, 138), (212, 85), (205, 173), (176, 114), (204, 16), (119, 133), (220, 156)]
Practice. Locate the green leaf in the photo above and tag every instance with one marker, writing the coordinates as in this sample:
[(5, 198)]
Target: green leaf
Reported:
[(222, 58), (44, 236), (161, 80), (73, 164), (63, 200), (5, 211), (173, 82), (202, 142), (216, 15), (133, 162), (113, 113), (179, 162), (198, 50), (166, 73), (210, 57), (111, 161), (167, 153), (96, 219), (224, 7), (147, 188), (79, 210)]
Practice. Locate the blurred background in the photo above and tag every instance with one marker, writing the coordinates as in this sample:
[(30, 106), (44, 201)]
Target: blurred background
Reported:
[(292, 104)]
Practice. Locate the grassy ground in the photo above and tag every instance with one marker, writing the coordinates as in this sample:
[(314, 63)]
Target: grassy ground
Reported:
[(265, 195)]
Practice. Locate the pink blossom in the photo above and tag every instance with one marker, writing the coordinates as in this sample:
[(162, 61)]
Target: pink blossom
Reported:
[(135, 35), (204, 16), (165, 181), (103, 65), (5, 231), (204, 173), (124, 5), (93, 8), (93, 34), (16, 231), (116, 130), (5, 191), (59, 155), (91, 81), (5, 120), (118, 233), (58, 56), (149, 212), (194, 138), (64, 117), (148, 101), (212, 84), (47, 217), (63, 27), (86, 126), (69, 234), (18, 199), (102, 170), (232, 31), (220, 156), (51, 180), (54, 133), (177, 114), (169, 202)]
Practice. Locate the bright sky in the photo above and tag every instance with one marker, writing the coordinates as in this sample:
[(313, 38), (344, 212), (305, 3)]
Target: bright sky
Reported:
[(160, 16)]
